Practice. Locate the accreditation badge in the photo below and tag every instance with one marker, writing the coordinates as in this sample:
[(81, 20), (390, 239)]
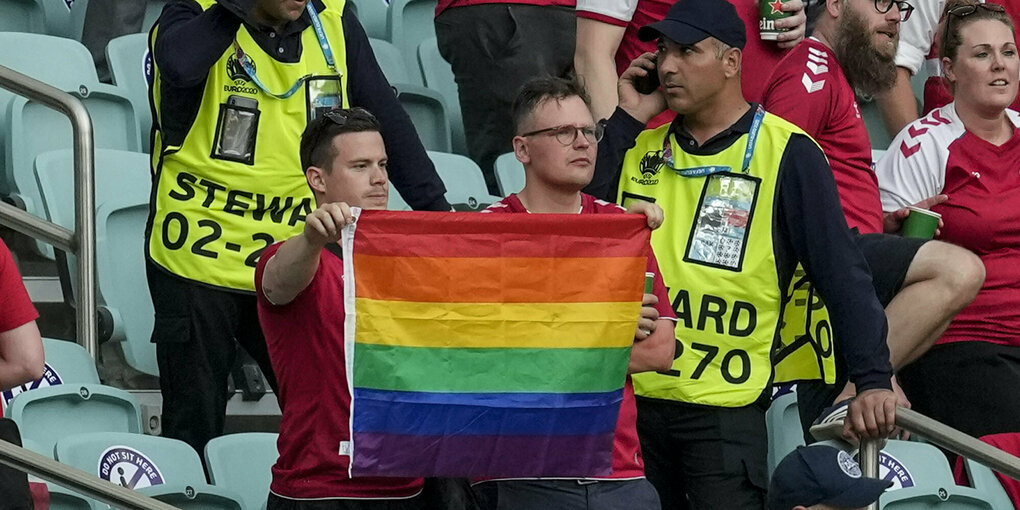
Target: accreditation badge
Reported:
[(721, 225), (324, 93)]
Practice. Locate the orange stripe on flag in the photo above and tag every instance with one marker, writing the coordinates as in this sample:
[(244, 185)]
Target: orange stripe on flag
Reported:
[(499, 279)]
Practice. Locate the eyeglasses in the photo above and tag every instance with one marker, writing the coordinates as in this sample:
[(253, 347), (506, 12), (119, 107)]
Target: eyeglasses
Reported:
[(567, 134), (338, 117), (966, 10), (884, 6)]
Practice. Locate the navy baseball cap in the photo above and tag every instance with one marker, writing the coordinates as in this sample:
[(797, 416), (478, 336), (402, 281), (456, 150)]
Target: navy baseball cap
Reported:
[(820, 474), (690, 21)]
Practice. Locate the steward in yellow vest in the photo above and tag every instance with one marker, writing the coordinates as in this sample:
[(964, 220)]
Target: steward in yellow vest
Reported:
[(747, 197), (234, 83)]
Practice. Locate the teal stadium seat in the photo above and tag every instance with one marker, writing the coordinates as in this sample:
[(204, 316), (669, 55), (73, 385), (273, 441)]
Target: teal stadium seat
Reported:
[(410, 23), (243, 463), (438, 76), (509, 173), (162, 468), (782, 421), (393, 64), (153, 8), (465, 185), (374, 16), (428, 114), (130, 68), (123, 182), (923, 480), (66, 362), (880, 138), (35, 16), (62, 498), (45, 415), (985, 481)]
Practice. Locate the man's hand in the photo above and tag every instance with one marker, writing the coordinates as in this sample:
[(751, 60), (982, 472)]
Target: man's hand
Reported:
[(871, 415), (642, 107), (796, 24), (653, 213), (649, 316), (892, 223), (324, 225)]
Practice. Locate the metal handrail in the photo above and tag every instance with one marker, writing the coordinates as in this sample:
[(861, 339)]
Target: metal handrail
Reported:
[(946, 437), (81, 242), (77, 480)]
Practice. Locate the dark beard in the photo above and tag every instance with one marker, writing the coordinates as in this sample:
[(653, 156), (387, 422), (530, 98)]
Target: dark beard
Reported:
[(869, 71)]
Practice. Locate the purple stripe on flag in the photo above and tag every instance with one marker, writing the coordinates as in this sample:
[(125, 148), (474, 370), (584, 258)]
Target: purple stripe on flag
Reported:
[(482, 456)]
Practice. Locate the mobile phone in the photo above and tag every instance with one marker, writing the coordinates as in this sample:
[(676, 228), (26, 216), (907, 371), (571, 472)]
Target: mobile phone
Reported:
[(243, 102), (648, 83)]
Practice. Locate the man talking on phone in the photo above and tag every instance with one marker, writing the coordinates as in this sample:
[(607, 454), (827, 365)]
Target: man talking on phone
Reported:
[(747, 196), (234, 84)]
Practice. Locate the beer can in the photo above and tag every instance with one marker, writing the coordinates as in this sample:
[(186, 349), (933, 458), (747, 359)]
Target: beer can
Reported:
[(768, 12), (649, 282)]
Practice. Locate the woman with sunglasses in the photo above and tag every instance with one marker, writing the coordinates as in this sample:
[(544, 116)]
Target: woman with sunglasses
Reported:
[(967, 154)]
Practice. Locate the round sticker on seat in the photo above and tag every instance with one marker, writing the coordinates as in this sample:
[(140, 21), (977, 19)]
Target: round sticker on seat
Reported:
[(129, 468), (49, 378), (891, 469)]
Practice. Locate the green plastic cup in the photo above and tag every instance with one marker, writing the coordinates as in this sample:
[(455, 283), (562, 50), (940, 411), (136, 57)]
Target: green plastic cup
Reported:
[(768, 12), (649, 282), (921, 223)]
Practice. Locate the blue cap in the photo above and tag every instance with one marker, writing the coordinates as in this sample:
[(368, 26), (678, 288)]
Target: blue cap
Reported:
[(690, 21), (820, 474)]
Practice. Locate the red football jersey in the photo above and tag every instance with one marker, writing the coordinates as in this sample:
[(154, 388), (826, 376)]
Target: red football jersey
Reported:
[(306, 346), (936, 154), (627, 462), (16, 308), (809, 89)]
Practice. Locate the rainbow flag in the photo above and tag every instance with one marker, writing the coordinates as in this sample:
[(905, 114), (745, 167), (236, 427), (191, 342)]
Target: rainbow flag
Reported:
[(489, 345)]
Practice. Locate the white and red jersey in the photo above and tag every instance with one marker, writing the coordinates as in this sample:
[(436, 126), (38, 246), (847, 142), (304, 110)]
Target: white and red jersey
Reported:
[(809, 89), (759, 56), (935, 155), (917, 51), (627, 461)]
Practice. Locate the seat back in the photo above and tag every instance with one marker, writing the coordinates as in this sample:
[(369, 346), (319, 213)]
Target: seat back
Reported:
[(131, 70), (374, 17), (880, 138), (785, 434), (922, 479), (428, 114), (465, 184), (22, 16), (43, 414), (123, 182), (392, 63), (66, 362), (410, 23), (243, 463), (509, 173), (438, 76)]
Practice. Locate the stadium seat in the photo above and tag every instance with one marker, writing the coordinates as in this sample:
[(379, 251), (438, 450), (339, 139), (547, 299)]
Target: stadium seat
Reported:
[(373, 15), (428, 114), (465, 185), (243, 463), (62, 498), (66, 362), (922, 480), (985, 482), (880, 139), (122, 196), (22, 16), (45, 415), (393, 64), (130, 68), (162, 468), (153, 9), (438, 76), (410, 23), (784, 430), (114, 127), (509, 173)]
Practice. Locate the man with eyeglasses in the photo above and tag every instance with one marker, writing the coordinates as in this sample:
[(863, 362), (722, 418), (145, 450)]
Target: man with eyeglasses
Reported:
[(922, 284), (235, 82), (747, 196), (299, 284), (556, 143)]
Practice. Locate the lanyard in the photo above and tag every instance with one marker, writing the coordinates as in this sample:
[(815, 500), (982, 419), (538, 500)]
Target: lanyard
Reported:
[(702, 171), (327, 53)]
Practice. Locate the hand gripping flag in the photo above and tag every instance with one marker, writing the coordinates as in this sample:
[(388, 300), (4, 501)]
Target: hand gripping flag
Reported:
[(489, 345)]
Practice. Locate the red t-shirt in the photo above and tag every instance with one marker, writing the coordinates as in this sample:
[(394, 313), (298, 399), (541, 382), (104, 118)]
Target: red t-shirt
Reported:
[(306, 346), (16, 308), (627, 462), (936, 154), (809, 89), (760, 57)]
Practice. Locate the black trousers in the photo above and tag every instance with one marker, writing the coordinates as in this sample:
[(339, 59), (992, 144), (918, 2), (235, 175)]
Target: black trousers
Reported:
[(571, 495), (277, 503), (702, 457), (14, 492), (494, 49), (197, 331)]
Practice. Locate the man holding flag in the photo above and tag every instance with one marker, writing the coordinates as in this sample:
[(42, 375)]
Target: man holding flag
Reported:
[(556, 142)]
